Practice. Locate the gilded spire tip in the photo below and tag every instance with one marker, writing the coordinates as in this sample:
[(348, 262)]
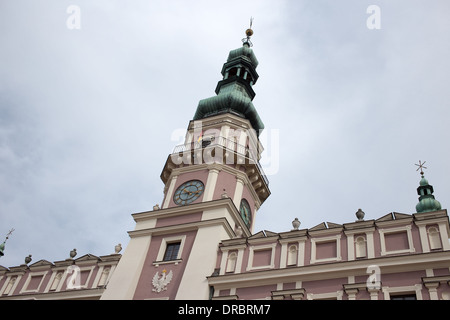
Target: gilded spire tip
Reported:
[(248, 33)]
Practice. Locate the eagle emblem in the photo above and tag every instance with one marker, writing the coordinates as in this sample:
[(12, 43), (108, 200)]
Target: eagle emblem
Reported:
[(160, 282)]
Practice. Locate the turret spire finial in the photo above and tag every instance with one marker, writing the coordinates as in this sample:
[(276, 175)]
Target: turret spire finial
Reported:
[(2, 245), (248, 33), (421, 167)]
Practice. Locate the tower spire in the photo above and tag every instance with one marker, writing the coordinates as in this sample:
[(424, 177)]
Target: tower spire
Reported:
[(235, 91)]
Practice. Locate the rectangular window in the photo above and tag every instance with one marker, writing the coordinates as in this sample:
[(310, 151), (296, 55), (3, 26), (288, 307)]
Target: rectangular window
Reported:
[(396, 241), (172, 251), (404, 297), (262, 258), (326, 250)]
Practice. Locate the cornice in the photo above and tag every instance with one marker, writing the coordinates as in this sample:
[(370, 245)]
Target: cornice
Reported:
[(268, 240), (188, 209), (226, 118), (325, 232), (359, 230), (233, 247), (333, 270), (18, 270), (183, 228), (358, 225), (224, 203), (233, 242), (176, 171), (91, 294), (394, 223)]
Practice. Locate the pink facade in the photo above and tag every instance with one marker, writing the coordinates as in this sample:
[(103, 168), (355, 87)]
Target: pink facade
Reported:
[(377, 259), (226, 182), (154, 266)]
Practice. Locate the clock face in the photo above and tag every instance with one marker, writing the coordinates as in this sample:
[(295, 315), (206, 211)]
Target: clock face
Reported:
[(188, 192), (246, 212)]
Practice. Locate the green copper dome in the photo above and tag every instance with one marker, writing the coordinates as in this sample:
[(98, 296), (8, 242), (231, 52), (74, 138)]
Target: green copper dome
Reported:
[(423, 181), (427, 202), (243, 52), (235, 91)]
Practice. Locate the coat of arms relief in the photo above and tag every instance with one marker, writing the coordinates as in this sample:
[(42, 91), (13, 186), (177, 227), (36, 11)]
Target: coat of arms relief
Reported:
[(160, 282)]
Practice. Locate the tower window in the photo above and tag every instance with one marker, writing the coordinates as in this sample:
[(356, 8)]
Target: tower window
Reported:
[(232, 72), (172, 251)]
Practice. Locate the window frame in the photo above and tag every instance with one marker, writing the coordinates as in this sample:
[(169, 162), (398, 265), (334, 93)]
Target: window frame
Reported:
[(163, 247)]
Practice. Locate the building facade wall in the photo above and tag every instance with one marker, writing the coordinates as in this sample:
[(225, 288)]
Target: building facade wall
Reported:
[(376, 259), (82, 278)]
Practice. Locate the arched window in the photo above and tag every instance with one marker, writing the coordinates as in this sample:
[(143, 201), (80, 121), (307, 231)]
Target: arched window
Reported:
[(232, 72), (360, 247), (434, 238), (292, 255), (231, 262)]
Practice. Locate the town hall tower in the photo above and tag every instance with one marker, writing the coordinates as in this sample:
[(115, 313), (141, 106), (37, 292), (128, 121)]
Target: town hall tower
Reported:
[(213, 188)]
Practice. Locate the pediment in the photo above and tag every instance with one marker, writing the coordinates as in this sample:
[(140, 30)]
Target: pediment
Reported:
[(87, 257), (398, 215), (2, 268), (258, 235), (333, 225), (41, 263), (386, 217), (320, 226), (263, 234)]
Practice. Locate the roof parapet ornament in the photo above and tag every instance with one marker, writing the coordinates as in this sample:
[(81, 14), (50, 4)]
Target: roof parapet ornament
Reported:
[(295, 224), (248, 33), (360, 215)]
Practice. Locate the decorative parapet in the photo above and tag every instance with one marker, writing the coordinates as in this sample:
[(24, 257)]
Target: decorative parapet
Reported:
[(84, 277)]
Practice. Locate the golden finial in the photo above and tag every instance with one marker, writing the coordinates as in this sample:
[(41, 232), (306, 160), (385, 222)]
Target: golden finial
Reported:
[(248, 33)]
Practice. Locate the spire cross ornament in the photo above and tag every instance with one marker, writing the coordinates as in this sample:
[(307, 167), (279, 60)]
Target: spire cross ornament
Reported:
[(9, 233), (2, 245), (421, 167)]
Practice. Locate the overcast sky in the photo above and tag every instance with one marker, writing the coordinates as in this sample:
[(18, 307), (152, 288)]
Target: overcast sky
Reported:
[(88, 116)]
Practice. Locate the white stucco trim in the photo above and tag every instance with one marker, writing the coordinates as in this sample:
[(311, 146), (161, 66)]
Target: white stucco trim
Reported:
[(168, 240), (27, 282), (170, 191), (388, 291), (210, 185), (325, 296)]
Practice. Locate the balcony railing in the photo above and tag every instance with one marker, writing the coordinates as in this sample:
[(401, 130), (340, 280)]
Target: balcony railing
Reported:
[(228, 145)]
